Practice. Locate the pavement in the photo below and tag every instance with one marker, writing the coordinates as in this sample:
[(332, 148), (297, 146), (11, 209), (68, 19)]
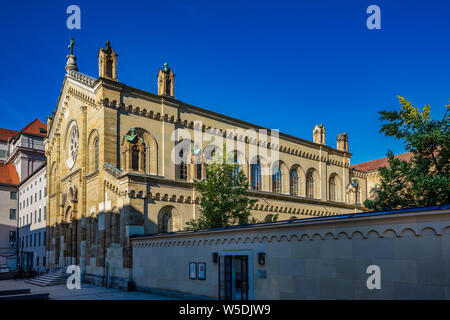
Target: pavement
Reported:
[(87, 292)]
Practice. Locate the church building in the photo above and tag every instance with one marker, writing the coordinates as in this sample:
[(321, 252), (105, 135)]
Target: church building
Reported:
[(111, 173)]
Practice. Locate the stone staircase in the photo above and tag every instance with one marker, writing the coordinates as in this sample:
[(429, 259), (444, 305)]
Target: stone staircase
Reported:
[(54, 277)]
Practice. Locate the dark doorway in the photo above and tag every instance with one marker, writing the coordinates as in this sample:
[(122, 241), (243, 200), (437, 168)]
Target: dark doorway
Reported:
[(233, 278)]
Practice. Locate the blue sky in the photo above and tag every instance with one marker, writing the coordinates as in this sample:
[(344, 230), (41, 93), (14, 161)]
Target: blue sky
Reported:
[(280, 64)]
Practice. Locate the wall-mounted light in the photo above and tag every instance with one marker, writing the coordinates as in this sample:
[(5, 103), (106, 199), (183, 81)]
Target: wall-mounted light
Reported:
[(215, 257), (261, 258)]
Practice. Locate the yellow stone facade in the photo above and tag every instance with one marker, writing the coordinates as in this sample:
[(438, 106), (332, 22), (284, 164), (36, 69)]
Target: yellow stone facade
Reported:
[(111, 174)]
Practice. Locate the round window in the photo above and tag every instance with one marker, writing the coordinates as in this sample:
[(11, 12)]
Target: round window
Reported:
[(72, 144)]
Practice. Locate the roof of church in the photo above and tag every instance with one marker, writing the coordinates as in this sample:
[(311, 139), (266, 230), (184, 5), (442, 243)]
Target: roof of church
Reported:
[(290, 223), (8, 174), (374, 165), (5, 134)]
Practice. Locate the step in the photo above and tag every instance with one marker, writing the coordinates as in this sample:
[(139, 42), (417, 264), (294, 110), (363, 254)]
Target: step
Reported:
[(29, 296), (12, 292)]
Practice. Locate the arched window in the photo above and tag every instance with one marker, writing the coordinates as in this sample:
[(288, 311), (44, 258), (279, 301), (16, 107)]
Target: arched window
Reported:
[(236, 164), (310, 185), (294, 183), (210, 157), (277, 180), (358, 195), (182, 167), (135, 158), (96, 154), (144, 157), (332, 187), (198, 171), (256, 176), (166, 223), (169, 219)]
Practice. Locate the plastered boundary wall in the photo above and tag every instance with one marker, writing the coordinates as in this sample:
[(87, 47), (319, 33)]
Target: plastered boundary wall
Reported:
[(310, 259)]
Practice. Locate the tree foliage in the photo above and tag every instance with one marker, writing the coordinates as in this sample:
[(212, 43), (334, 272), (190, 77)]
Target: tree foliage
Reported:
[(425, 179), (223, 196)]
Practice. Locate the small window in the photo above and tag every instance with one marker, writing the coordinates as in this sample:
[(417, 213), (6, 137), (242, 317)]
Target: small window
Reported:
[(12, 237), (45, 212), (13, 195), (199, 171), (96, 154), (45, 191), (135, 159), (12, 214), (40, 194)]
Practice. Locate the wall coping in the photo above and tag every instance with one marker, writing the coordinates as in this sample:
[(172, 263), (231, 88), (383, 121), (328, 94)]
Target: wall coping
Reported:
[(415, 213)]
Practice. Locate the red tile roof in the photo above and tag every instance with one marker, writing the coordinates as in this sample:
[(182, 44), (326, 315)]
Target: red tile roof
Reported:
[(34, 128), (374, 165), (5, 134), (8, 174)]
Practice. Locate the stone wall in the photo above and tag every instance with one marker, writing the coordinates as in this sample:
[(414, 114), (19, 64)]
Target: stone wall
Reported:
[(319, 258)]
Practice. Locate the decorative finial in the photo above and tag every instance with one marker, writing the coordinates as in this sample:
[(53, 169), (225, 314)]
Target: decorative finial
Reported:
[(71, 59), (166, 66), (70, 46), (108, 44)]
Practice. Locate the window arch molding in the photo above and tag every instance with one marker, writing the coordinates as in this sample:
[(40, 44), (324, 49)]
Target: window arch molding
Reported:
[(53, 178), (237, 157), (93, 153), (280, 171), (335, 188), (301, 178), (312, 184), (260, 174), (147, 145), (169, 219)]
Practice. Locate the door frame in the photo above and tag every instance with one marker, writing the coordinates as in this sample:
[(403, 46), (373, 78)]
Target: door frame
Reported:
[(250, 273)]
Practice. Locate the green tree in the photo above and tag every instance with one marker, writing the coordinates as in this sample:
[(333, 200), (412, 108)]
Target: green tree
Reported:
[(223, 196), (425, 179)]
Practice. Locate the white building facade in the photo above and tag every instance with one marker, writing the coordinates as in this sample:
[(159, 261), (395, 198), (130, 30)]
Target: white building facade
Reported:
[(32, 220)]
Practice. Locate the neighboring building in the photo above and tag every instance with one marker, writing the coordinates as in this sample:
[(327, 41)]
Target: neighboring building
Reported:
[(26, 148), (32, 220), (9, 181), (318, 258), (111, 174), (21, 153), (5, 135), (371, 169)]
